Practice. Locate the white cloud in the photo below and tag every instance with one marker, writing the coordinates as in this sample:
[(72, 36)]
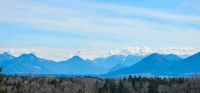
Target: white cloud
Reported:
[(158, 14), (59, 17), (147, 50), (178, 50), (136, 51), (88, 17)]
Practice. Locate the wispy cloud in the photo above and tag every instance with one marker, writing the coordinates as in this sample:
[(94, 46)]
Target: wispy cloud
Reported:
[(157, 14), (101, 25), (44, 15)]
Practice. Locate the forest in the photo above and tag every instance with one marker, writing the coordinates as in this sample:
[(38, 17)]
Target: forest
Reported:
[(131, 84)]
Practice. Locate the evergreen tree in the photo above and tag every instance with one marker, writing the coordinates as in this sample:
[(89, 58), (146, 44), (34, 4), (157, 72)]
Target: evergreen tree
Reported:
[(1, 80)]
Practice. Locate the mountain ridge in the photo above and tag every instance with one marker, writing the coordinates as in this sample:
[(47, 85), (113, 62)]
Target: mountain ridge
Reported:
[(166, 65), (155, 64)]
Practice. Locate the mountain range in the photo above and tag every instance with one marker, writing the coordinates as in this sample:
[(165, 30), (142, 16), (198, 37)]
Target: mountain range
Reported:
[(115, 65), (31, 64), (163, 65)]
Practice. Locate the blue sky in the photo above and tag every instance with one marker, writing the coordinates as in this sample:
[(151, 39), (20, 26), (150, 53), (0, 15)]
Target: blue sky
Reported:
[(96, 27)]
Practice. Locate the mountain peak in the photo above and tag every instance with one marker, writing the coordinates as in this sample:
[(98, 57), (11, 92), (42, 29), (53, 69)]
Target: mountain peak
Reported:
[(154, 58), (165, 58), (154, 55), (75, 59), (30, 55), (172, 56), (6, 54)]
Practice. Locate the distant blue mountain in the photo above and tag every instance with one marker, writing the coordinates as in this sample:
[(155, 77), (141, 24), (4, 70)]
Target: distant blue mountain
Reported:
[(193, 63), (132, 59), (31, 64), (112, 61), (79, 66), (153, 64), (28, 64), (190, 65), (6, 57), (149, 65), (117, 67)]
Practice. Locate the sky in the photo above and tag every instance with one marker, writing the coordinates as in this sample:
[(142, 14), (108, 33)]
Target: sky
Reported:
[(59, 29)]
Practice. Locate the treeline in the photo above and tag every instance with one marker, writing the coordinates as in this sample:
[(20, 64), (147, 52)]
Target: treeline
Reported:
[(25, 84), (151, 85)]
